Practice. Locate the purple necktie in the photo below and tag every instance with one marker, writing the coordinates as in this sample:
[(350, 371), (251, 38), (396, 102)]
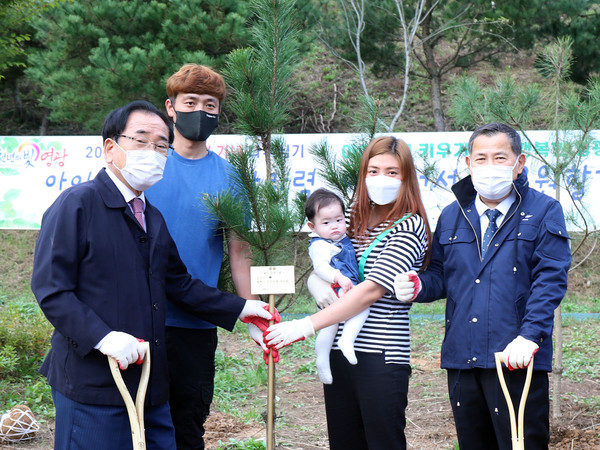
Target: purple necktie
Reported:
[(138, 208)]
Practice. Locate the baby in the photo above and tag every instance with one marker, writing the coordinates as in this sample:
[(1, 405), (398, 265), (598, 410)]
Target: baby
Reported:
[(334, 260)]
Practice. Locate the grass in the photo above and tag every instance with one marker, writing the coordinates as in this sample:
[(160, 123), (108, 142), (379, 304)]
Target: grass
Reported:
[(581, 353), (426, 337), (24, 339), (16, 257), (573, 303), (428, 309), (236, 379), (234, 444)]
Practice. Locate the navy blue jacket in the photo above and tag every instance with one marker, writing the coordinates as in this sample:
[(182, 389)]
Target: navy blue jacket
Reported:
[(95, 270), (513, 291)]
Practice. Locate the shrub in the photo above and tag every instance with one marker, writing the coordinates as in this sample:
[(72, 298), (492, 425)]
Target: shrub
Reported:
[(24, 338)]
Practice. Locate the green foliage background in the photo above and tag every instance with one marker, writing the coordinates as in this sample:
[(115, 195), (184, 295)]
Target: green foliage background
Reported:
[(99, 54), (66, 63)]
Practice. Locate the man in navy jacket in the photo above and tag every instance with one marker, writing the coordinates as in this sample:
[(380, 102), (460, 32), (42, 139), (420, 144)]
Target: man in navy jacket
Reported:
[(102, 277), (500, 257)]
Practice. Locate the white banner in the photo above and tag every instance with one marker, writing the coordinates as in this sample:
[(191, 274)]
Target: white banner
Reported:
[(34, 170)]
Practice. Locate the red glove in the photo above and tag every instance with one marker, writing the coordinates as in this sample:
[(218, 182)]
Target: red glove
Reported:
[(416, 281), (257, 335), (275, 355), (407, 286), (261, 322), (140, 359), (335, 286)]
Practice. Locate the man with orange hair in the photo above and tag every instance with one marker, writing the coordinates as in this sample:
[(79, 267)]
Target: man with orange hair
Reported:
[(192, 173)]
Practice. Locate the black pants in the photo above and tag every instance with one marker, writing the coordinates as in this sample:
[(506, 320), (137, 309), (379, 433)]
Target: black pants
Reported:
[(366, 403), (191, 356), (481, 413)]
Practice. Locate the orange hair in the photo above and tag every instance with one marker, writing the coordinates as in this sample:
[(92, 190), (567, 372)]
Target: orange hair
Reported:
[(196, 79), (409, 198)]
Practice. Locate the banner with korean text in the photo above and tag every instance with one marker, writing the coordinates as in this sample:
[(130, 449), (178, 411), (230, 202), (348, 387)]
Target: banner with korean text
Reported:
[(35, 170)]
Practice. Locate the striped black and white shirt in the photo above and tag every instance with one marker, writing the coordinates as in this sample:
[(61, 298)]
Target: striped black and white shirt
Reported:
[(387, 327)]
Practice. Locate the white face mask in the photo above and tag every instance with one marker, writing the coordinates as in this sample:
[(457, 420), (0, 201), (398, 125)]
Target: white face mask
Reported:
[(143, 168), (382, 189), (493, 181)]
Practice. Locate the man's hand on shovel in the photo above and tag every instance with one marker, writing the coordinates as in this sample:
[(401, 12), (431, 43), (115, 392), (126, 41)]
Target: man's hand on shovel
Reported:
[(518, 354), (123, 347)]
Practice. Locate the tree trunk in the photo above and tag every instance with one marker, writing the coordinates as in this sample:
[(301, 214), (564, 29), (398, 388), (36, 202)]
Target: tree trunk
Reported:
[(557, 370), (436, 102), (433, 71), (266, 148), (44, 124), (16, 94)]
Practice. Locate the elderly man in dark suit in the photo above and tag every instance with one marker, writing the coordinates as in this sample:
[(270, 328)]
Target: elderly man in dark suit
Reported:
[(104, 268)]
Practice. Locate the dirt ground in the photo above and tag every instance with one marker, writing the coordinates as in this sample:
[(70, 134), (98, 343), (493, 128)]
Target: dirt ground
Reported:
[(301, 421), (302, 426)]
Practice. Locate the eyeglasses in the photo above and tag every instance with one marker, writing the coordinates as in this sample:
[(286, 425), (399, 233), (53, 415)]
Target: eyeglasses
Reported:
[(141, 143)]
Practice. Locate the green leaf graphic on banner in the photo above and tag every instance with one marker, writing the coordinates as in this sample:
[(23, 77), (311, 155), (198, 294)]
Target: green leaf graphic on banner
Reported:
[(10, 144), (9, 172), (7, 210), (22, 223), (18, 223), (12, 194)]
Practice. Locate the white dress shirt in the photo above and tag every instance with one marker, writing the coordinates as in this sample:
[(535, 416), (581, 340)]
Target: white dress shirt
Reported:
[(502, 207)]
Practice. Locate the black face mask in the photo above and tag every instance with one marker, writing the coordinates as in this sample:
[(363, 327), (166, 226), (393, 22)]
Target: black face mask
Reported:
[(196, 125)]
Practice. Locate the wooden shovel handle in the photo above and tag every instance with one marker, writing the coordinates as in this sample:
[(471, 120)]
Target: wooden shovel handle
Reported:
[(135, 411), (516, 428)]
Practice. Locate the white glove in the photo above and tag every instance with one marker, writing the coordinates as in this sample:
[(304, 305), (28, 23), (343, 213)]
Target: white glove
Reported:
[(518, 354), (257, 335), (123, 347), (254, 308), (321, 290), (407, 286), (286, 333)]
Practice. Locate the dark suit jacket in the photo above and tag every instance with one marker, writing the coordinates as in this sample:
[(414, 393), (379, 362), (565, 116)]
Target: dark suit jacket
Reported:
[(95, 270)]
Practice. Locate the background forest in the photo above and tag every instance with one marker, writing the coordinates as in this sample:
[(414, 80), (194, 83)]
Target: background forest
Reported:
[(64, 64)]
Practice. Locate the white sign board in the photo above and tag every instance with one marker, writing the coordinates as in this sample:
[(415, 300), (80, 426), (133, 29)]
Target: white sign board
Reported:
[(272, 280)]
